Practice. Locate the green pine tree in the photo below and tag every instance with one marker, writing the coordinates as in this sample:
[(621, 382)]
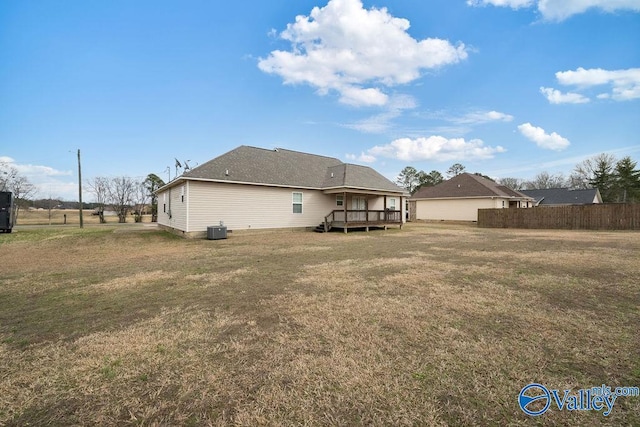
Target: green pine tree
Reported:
[(627, 182)]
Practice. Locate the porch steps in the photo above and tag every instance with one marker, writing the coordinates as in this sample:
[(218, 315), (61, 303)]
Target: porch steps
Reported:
[(319, 228)]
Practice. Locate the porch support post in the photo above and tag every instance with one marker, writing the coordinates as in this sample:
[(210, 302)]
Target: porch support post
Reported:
[(386, 214), (344, 205), (366, 212), (402, 214)]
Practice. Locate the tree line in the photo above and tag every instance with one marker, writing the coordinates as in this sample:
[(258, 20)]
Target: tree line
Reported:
[(618, 180), (125, 195)]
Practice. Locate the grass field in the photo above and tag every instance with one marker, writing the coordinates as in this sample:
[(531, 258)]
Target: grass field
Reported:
[(430, 325)]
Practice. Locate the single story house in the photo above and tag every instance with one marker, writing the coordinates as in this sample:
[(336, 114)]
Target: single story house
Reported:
[(255, 188), (459, 198), (564, 196)]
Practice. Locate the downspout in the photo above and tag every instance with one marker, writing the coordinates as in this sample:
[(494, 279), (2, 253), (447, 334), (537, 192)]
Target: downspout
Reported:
[(169, 211), (187, 213)]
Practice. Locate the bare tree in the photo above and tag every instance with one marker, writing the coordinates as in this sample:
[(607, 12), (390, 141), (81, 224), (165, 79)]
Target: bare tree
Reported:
[(99, 186), (512, 183), (578, 181), (140, 199), (22, 189), (546, 180), (8, 174), (120, 195)]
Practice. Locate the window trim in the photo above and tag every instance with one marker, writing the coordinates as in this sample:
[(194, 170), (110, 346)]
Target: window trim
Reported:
[(340, 200)]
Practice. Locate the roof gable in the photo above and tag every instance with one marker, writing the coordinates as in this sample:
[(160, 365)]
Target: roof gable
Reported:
[(280, 167), (467, 185)]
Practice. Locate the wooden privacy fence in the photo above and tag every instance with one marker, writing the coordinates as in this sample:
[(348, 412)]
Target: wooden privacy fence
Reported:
[(587, 217)]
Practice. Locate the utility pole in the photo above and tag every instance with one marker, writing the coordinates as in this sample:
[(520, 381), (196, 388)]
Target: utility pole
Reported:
[(80, 188)]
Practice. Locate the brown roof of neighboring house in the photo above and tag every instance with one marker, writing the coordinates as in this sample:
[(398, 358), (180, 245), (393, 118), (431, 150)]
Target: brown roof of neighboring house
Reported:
[(467, 185), (280, 167)]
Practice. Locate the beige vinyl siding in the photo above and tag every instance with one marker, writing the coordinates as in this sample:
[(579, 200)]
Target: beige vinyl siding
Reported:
[(455, 209), (243, 207), (177, 207), (377, 203)]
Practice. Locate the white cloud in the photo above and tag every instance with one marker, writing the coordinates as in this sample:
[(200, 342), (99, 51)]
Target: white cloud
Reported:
[(45, 178), (542, 139), (556, 97), (356, 52), (480, 117), (437, 148), (357, 96), (32, 170), (558, 10), (362, 158), (514, 4), (625, 84)]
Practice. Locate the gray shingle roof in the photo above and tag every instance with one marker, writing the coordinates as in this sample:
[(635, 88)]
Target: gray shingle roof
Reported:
[(467, 185), (562, 196), (288, 168)]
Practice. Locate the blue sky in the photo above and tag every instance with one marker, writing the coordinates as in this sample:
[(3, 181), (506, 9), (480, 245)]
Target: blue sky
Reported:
[(505, 87)]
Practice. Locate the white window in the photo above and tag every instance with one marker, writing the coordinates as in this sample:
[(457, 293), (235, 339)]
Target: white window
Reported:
[(392, 204), (182, 194), (297, 203), (339, 199)]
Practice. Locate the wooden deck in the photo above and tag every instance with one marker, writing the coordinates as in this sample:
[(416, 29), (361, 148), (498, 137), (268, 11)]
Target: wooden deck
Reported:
[(346, 219)]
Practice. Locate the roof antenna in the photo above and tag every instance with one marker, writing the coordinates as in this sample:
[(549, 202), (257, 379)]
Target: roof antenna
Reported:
[(275, 149), (178, 165), (187, 168)]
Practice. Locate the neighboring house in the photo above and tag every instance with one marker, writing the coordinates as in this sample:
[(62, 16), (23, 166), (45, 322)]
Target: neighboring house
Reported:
[(564, 196), (459, 198), (255, 188)]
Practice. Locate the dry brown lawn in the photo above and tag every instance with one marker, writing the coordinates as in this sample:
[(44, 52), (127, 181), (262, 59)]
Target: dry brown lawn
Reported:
[(431, 325)]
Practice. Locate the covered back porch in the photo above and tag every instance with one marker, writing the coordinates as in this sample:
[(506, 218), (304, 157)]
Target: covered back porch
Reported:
[(364, 210)]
